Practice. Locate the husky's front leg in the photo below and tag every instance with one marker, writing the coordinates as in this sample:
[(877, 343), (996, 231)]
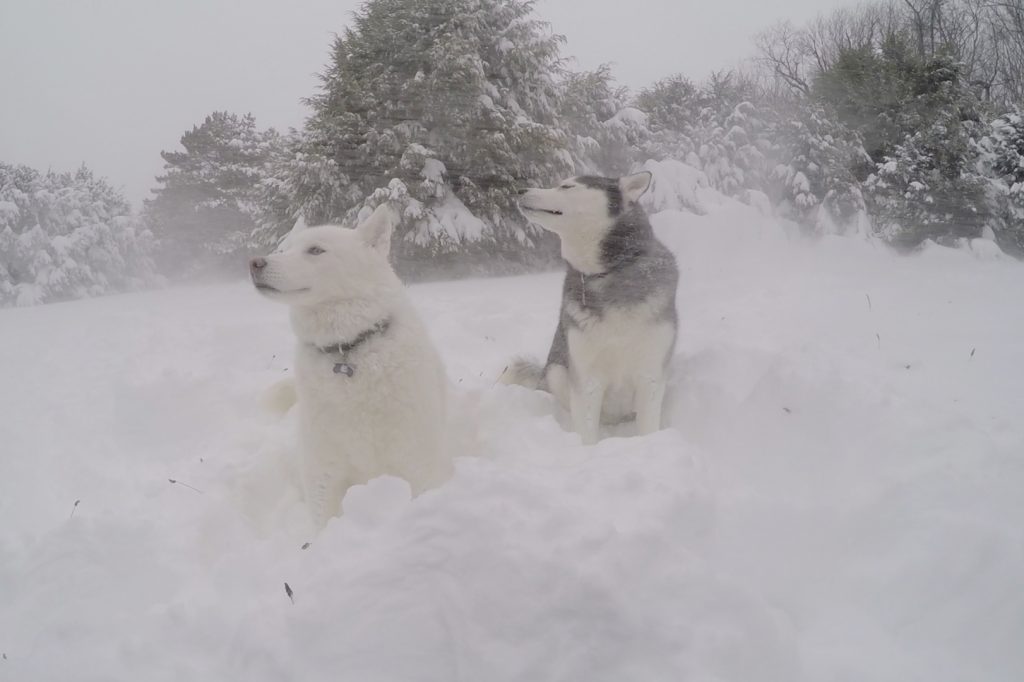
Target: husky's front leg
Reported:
[(648, 397), (585, 399), (557, 380)]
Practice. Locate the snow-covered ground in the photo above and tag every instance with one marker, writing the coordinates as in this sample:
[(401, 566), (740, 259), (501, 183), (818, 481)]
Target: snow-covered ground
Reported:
[(839, 497)]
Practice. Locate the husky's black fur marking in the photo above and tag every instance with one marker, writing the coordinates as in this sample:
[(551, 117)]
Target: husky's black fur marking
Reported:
[(610, 186)]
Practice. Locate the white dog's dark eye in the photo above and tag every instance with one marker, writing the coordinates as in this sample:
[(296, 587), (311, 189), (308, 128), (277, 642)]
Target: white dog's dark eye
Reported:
[(314, 251), (566, 186)]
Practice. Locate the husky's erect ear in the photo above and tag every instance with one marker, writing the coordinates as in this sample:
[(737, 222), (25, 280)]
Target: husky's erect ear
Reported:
[(376, 230), (633, 186)]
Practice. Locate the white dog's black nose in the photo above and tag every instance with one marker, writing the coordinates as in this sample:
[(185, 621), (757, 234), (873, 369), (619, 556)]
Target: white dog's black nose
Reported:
[(257, 264)]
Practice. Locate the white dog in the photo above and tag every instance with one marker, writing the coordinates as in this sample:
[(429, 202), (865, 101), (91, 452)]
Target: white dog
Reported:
[(369, 383)]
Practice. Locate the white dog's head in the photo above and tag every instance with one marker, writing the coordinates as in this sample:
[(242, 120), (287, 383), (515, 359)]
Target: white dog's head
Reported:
[(582, 211), (325, 264)]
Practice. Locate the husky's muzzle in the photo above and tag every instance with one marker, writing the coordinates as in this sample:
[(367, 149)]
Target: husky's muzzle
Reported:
[(540, 210), (526, 207)]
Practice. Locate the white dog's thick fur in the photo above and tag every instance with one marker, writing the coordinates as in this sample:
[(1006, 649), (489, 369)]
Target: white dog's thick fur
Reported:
[(370, 387)]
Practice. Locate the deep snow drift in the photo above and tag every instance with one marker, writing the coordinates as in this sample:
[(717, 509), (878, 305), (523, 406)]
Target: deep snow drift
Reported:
[(839, 496)]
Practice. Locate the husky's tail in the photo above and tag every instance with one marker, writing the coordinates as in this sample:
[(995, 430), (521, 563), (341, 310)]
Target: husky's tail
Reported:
[(524, 372)]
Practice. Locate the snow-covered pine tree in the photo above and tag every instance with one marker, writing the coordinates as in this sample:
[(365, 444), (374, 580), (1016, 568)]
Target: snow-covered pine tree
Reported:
[(300, 180), (202, 214), (605, 133), (445, 107), (67, 235)]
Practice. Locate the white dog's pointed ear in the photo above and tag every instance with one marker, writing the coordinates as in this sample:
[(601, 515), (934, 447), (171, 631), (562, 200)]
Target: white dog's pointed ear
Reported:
[(376, 230), (633, 186), (299, 226)]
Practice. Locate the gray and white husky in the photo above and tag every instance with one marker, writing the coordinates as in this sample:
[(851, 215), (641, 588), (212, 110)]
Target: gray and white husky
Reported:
[(618, 323)]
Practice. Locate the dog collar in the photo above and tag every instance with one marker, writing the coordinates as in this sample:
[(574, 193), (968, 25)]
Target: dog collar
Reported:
[(584, 278), (342, 350)]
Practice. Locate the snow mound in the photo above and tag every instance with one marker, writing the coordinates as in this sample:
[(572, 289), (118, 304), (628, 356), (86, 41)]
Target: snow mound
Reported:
[(982, 249), (676, 186), (629, 117), (978, 249), (452, 218)]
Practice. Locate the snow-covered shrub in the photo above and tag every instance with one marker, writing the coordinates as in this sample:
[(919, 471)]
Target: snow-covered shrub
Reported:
[(715, 128), (673, 106), (927, 188), (1002, 162), (605, 135), (732, 154), (917, 113), (67, 235), (812, 181)]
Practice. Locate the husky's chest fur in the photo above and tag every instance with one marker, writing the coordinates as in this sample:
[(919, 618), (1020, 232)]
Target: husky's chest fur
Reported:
[(620, 314), (616, 323)]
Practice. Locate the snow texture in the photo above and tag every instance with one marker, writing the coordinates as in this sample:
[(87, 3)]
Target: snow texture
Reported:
[(838, 495)]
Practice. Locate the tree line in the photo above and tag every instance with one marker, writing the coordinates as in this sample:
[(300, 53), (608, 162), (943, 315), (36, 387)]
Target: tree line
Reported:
[(895, 119)]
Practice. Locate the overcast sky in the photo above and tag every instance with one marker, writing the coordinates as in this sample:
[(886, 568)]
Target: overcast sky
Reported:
[(112, 82)]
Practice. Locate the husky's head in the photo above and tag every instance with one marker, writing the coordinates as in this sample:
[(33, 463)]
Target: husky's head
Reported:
[(325, 264), (582, 211)]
